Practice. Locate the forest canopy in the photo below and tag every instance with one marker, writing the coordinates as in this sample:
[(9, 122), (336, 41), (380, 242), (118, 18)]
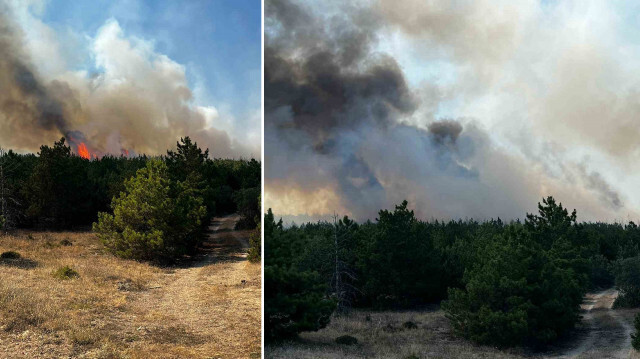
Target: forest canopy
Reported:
[(502, 284), (57, 189)]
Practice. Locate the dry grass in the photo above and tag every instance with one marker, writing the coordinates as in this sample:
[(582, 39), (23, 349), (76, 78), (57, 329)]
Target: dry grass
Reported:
[(119, 308), (603, 333), (382, 335)]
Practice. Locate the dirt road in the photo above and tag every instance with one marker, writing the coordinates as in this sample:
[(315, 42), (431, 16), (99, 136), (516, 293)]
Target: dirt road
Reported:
[(605, 331), (216, 299)]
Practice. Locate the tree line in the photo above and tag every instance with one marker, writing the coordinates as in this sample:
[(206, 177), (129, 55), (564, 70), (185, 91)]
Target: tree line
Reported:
[(173, 195), (503, 284)]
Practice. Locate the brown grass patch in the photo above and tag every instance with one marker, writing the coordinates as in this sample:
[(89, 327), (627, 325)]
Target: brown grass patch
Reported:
[(65, 314), (122, 308), (386, 336)]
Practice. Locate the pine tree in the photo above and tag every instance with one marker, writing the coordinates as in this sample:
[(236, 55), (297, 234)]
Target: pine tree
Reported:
[(526, 285), (8, 200), (153, 219), (295, 298), (344, 276)]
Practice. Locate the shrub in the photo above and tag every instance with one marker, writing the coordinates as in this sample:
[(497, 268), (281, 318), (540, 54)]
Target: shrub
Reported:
[(10, 255), (409, 325), (346, 340), (65, 272), (154, 219), (66, 242)]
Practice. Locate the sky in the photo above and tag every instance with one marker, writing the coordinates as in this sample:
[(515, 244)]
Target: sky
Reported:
[(213, 46), (464, 108)]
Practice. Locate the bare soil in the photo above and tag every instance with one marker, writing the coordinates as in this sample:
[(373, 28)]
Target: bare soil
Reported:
[(209, 307), (604, 332)]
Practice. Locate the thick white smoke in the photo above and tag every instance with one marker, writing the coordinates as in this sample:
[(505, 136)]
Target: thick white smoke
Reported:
[(466, 109)]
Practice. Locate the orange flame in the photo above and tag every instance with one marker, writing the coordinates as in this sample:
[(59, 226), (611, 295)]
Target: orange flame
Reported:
[(83, 151)]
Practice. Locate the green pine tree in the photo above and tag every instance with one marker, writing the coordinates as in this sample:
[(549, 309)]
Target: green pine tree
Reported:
[(153, 219)]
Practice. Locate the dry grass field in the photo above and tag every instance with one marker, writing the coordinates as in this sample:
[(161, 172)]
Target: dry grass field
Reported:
[(602, 334), (117, 308), (382, 335)]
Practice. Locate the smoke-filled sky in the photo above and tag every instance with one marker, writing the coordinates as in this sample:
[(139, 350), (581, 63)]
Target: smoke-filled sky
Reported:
[(132, 75), (464, 108)]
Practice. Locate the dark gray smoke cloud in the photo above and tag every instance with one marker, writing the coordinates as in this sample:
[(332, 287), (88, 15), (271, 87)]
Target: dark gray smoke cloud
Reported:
[(26, 103), (332, 85), (338, 139), (445, 131)]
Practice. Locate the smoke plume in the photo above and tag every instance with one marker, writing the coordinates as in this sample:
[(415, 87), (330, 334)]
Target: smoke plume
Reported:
[(346, 131), (137, 101)]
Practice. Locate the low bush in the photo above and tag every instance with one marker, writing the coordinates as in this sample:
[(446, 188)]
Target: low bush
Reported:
[(346, 340), (66, 242), (409, 325), (65, 272), (10, 255)]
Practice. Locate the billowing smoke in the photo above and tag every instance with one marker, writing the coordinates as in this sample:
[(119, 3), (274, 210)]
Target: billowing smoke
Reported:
[(445, 131), (346, 133), (137, 101), (26, 104)]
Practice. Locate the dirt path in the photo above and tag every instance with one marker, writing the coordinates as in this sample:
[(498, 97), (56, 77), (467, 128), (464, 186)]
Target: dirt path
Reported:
[(214, 300), (606, 331)]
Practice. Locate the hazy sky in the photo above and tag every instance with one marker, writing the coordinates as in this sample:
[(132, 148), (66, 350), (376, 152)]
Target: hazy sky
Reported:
[(209, 48), (465, 108)]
